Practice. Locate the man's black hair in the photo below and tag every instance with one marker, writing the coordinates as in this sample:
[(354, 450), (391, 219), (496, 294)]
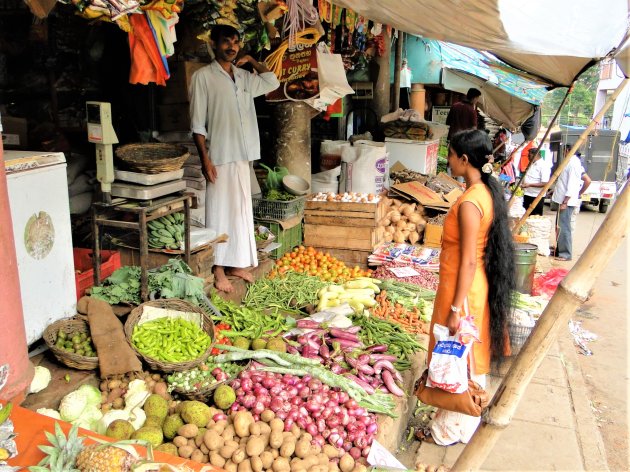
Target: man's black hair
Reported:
[(223, 31), (473, 93)]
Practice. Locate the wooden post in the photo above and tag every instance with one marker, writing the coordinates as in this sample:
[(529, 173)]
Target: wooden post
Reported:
[(549, 126), (397, 66), (383, 87), (573, 291), (293, 144), (598, 118)]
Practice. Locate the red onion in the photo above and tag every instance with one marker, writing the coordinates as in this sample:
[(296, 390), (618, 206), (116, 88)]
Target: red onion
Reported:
[(321, 425), (258, 391), (313, 406), (240, 392), (288, 423), (345, 418), (246, 374), (235, 384), (333, 421), (343, 397), (326, 412), (312, 430), (347, 445), (281, 414), (248, 401), (334, 438), (326, 433), (292, 391), (288, 379), (259, 407), (256, 417), (355, 452), (365, 451), (295, 401), (361, 440), (314, 385), (304, 392), (247, 385), (219, 417), (301, 422), (306, 379), (276, 389), (276, 404), (372, 428), (235, 407), (319, 440), (350, 404), (303, 411)]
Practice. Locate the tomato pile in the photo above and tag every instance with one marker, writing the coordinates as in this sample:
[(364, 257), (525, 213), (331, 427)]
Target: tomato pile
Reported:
[(219, 338), (308, 260)]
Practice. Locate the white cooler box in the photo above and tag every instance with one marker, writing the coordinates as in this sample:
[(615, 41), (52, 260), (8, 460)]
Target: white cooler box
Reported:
[(419, 156)]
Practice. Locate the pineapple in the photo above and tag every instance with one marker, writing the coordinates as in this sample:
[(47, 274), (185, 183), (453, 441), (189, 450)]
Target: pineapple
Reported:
[(61, 455), (104, 458)]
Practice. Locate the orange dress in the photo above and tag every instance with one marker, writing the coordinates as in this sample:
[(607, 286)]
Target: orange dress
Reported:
[(479, 195)]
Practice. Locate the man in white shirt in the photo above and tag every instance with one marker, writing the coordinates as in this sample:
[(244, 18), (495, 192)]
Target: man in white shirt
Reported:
[(570, 186), (222, 114), (536, 178)]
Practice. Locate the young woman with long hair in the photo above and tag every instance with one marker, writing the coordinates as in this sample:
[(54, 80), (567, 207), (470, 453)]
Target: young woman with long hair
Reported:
[(477, 272)]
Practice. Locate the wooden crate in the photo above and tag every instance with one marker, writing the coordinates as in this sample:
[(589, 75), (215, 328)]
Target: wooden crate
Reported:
[(342, 237), (343, 213), (350, 257)]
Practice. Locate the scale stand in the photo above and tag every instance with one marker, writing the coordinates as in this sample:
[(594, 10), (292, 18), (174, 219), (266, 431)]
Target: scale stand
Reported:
[(102, 134)]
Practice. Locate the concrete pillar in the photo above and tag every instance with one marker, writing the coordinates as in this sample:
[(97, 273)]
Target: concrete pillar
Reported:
[(383, 86), (292, 121), (13, 348)]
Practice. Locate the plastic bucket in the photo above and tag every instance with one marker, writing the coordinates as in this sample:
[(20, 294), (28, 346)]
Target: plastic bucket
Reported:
[(525, 258)]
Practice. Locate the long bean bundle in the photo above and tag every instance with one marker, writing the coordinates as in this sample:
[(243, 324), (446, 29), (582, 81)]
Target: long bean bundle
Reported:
[(288, 292)]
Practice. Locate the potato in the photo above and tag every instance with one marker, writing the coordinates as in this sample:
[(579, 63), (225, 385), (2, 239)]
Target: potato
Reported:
[(310, 461), (114, 394), (204, 449), (358, 467), (219, 426), (267, 416), (318, 468), (217, 459), (346, 463), (239, 455), (213, 441), (295, 429), (323, 459), (213, 411), (232, 443), (302, 448), (197, 455), (265, 439), (331, 451), (266, 459), (160, 389), (118, 403), (315, 449), (243, 442), (227, 451), (230, 466), (276, 439), (180, 441), (286, 435), (333, 467), (264, 427), (185, 451), (188, 431), (199, 440), (275, 453), (288, 448), (241, 421), (254, 429), (255, 446), (205, 459), (280, 464), (256, 463), (245, 466), (306, 436), (228, 433), (191, 443), (276, 424)]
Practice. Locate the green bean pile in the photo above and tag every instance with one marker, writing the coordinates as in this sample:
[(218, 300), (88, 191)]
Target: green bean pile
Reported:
[(170, 339), (289, 292)]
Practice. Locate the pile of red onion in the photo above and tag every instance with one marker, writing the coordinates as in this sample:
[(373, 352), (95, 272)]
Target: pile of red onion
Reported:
[(327, 414)]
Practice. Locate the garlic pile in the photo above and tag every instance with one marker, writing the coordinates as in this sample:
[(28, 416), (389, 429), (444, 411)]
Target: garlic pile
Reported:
[(354, 197), (403, 222)]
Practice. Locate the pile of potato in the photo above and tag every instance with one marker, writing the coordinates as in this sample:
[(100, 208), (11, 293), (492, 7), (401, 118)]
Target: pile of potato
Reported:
[(114, 388), (237, 443), (403, 222)]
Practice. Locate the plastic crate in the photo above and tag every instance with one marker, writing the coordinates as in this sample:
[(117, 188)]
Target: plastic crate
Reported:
[(287, 238), (84, 268), (277, 210), (518, 336)]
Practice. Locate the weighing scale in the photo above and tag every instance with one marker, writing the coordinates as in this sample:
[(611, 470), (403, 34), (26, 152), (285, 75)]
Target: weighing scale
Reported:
[(124, 184)]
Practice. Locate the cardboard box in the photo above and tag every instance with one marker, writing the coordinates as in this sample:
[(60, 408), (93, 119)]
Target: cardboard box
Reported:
[(14, 132), (422, 194), (176, 90), (433, 235), (419, 156), (174, 117)]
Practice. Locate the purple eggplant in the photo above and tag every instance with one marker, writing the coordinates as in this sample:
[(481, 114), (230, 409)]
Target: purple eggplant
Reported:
[(364, 385), (377, 348), (383, 357), (342, 334), (324, 351), (379, 366), (391, 384), (307, 324), (353, 329)]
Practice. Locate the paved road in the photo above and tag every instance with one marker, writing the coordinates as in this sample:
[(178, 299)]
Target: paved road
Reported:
[(606, 372)]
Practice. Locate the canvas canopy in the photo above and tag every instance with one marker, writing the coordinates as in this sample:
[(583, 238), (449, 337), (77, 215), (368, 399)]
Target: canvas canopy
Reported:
[(553, 41)]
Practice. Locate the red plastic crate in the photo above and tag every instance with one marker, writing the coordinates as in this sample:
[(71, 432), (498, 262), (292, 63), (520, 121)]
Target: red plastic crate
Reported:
[(84, 268)]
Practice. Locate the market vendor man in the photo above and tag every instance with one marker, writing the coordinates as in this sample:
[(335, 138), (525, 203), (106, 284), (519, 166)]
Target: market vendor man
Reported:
[(225, 131)]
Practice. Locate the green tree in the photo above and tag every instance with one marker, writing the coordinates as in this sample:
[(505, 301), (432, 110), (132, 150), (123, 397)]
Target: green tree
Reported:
[(578, 109)]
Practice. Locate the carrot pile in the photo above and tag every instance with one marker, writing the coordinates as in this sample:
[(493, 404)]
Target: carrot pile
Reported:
[(409, 320)]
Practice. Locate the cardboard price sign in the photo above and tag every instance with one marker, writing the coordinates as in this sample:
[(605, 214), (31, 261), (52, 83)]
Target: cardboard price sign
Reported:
[(299, 79)]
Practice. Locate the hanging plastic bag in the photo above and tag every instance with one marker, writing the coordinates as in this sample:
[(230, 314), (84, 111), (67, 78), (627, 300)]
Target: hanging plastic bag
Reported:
[(274, 177), (448, 369), (547, 283), (333, 83)]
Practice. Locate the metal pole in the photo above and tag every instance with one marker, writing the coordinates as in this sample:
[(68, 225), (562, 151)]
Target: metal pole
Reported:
[(611, 99), (549, 126), (573, 291)]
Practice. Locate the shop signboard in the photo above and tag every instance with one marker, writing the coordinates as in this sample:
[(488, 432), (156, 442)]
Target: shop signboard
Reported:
[(298, 79), (439, 114)]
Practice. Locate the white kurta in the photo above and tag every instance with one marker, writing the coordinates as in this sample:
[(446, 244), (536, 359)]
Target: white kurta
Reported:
[(229, 210)]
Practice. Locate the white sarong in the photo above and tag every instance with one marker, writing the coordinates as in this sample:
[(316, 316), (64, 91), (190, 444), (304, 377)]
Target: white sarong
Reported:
[(229, 211)]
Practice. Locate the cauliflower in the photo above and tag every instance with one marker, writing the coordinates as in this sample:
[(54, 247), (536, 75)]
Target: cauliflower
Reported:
[(92, 394), (137, 417), (41, 379), (72, 405), (48, 412)]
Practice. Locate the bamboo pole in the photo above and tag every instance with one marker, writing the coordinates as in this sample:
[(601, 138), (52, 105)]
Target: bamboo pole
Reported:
[(542, 141), (573, 291), (598, 118)]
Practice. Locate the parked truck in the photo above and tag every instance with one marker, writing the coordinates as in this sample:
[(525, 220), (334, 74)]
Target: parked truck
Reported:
[(600, 159)]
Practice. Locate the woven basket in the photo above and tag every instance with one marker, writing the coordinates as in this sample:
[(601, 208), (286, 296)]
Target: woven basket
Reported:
[(204, 394), (153, 158), (70, 325), (177, 305)]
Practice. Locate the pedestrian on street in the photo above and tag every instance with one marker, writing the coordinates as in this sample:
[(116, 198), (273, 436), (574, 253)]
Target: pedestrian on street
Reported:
[(223, 117), (571, 184), (536, 178), (477, 271), (463, 115)]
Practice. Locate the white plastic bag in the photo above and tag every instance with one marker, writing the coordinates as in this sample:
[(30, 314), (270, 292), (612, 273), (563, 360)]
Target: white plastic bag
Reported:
[(448, 369), (333, 83), (364, 168)]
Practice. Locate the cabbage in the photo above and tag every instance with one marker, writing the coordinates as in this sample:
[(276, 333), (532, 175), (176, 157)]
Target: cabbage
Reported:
[(92, 414), (72, 405), (92, 394), (83, 423), (48, 412), (41, 379), (108, 417)]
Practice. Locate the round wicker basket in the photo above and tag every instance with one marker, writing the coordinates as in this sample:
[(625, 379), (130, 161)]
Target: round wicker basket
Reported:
[(176, 305), (204, 394), (75, 324), (153, 158)]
